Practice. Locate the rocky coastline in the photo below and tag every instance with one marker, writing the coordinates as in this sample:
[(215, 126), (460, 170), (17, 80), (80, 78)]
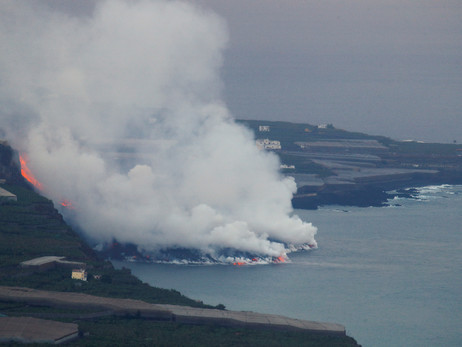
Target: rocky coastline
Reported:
[(376, 193)]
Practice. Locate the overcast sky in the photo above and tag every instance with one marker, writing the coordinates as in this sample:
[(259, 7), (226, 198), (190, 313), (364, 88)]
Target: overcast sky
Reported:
[(389, 67)]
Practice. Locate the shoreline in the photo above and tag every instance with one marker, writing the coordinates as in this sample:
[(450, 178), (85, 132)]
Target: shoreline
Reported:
[(377, 194)]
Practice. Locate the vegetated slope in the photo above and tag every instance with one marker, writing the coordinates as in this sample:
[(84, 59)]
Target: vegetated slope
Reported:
[(32, 227), (289, 133)]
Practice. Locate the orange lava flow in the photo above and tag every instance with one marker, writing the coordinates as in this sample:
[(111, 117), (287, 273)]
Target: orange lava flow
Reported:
[(239, 263), (67, 204), (281, 259), (27, 174)]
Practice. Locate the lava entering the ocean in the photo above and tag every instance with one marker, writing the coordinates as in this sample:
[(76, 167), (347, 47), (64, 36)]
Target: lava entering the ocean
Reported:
[(278, 260)]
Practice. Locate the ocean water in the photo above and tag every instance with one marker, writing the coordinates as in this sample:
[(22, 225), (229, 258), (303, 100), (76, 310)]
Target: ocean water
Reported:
[(391, 275)]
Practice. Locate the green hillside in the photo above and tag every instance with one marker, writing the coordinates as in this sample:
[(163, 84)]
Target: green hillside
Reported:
[(289, 133)]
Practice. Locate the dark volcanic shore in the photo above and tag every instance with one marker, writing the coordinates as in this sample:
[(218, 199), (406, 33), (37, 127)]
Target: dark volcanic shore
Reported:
[(362, 194)]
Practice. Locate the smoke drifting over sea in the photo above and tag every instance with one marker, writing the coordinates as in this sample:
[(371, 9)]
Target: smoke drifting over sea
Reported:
[(120, 112)]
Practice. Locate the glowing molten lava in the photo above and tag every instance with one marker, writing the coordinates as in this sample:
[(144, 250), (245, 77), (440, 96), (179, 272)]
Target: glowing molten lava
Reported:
[(239, 263), (27, 174), (67, 204), (280, 259)]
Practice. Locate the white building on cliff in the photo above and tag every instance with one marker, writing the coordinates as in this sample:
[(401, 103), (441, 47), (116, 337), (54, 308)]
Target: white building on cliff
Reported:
[(268, 144)]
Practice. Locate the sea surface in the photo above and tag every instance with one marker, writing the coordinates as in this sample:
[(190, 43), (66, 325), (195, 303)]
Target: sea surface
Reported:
[(391, 275)]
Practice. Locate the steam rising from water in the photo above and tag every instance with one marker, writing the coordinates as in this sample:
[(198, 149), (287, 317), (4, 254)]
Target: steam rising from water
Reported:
[(139, 81)]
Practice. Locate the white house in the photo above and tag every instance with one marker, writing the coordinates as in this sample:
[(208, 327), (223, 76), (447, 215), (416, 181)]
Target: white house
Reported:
[(79, 274), (285, 166), (268, 144)]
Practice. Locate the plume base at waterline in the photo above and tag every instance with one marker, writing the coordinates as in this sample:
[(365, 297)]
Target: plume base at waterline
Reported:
[(183, 256)]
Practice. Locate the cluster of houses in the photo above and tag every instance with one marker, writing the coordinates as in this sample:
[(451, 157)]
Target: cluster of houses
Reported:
[(285, 166), (267, 143)]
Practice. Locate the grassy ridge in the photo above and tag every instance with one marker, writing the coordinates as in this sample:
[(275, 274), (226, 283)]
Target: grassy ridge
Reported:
[(31, 228), (289, 133)]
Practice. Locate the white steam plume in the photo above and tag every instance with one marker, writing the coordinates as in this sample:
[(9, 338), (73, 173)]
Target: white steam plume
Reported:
[(144, 75)]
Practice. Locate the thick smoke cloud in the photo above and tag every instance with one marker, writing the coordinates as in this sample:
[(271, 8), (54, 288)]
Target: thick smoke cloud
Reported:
[(120, 113)]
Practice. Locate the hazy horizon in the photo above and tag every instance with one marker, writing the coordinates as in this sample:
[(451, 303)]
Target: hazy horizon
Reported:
[(390, 68), (383, 67)]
